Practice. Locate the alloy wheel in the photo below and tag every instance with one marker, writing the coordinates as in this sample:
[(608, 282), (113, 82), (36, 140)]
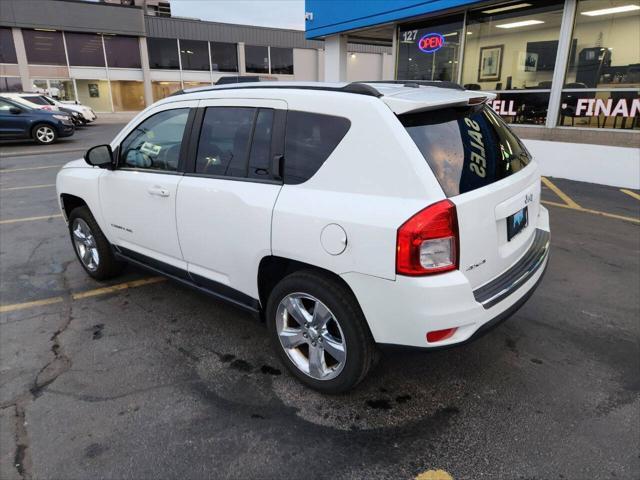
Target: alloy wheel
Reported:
[(311, 336), (85, 244), (45, 134)]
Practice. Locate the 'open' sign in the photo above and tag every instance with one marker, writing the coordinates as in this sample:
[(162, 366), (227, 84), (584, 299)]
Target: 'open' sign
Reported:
[(431, 42)]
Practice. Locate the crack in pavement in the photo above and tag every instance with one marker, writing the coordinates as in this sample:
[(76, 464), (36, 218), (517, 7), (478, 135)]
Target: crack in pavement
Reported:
[(60, 364)]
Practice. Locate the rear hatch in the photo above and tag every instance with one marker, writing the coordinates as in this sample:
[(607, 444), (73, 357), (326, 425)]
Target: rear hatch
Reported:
[(488, 174)]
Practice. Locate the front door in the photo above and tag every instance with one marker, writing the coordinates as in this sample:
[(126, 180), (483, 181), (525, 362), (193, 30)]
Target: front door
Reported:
[(139, 197), (226, 198), (13, 125)]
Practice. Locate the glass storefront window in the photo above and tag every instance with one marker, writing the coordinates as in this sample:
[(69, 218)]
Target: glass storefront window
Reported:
[(257, 59), (94, 94), (619, 109), (58, 89), (7, 48), (10, 84), (44, 47), (224, 57), (127, 95), (601, 88), (164, 89), (522, 107), (282, 60), (163, 53), (513, 49), (84, 49), (607, 46), (122, 52), (196, 84), (430, 51), (194, 55)]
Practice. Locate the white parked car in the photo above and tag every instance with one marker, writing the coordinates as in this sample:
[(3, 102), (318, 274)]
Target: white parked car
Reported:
[(348, 216), (87, 112), (44, 102)]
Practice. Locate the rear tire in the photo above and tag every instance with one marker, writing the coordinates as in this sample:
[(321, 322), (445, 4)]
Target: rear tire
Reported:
[(44, 134), (328, 343), (91, 246)]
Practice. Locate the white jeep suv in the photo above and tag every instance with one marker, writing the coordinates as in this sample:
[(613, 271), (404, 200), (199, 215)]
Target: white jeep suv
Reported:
[(348, 216)]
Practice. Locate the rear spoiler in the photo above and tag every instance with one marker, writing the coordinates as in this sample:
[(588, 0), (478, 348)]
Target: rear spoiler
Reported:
[(422, 102)]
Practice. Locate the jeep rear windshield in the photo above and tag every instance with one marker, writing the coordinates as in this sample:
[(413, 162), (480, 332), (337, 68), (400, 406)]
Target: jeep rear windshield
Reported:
[(467, 148)]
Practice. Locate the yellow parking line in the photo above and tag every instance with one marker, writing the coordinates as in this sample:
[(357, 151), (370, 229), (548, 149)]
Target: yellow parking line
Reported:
[(25, 305), (27, 187), (570, 203), (29, 219), (81, 295), (594, 212), (434, 475), (11, 170), (629, 192), (117, 288)]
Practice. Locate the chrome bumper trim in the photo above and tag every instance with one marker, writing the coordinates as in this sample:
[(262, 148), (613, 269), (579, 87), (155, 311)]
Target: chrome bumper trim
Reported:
[(502, 286)]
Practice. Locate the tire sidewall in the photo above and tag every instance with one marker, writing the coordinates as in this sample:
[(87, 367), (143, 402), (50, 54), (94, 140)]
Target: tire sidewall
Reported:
[(352, 370)]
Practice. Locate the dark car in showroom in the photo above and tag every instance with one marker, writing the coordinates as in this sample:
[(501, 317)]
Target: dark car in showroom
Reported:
[(17, 121)]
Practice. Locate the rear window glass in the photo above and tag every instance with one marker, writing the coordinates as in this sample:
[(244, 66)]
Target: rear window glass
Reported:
[(466, 148), (310, 139)]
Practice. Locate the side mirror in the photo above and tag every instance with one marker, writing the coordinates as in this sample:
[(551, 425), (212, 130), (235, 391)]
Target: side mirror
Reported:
[(15, 110), (100, 156)]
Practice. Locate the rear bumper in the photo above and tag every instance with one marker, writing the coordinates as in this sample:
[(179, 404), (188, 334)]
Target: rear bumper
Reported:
[(401, 312)]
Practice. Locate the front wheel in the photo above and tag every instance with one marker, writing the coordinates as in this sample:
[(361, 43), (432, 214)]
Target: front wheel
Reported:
[(91, 246), (319, 332), (44, 134)]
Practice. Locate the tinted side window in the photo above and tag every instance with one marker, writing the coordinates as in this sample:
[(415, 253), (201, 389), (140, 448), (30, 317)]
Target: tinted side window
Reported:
[(35, 99), (155, 143), (309, 140), (224, 141), (260, 158)]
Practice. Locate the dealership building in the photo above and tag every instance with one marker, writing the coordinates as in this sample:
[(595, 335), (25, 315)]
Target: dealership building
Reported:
[(114, 57), (566, 73)]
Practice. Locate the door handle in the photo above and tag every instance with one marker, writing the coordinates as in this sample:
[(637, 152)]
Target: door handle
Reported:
[(158, 191)]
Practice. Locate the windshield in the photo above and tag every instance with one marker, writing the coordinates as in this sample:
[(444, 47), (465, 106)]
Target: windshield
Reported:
[(467, 148)]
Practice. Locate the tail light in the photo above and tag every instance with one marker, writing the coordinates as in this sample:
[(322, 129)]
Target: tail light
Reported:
[(428, 242)]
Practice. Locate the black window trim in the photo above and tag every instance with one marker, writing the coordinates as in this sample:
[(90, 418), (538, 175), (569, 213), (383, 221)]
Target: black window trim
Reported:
[(182, 159), (277, 145)]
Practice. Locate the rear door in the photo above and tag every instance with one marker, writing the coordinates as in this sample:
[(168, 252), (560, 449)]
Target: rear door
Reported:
[(490, 177), (227, 195)]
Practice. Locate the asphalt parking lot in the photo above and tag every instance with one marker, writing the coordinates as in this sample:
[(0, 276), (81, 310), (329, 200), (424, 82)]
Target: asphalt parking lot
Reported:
[(141, 378)]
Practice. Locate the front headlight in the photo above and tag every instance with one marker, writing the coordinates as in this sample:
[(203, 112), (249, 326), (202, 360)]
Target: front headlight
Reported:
[(62, 117)]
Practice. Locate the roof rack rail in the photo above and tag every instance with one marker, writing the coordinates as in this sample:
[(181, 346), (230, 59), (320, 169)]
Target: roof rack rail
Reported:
[(420, 83), (355, 87)]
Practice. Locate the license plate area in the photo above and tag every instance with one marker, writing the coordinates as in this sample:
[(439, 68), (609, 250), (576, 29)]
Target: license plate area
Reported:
[(517, 222)]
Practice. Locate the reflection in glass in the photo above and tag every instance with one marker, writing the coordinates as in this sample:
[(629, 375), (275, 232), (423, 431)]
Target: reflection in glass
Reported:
[(257, 59), (84, 49), (194, 55), (44, 48), (224, 57), (282, 61), (122, 52), (7, 48), (163, 53)]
